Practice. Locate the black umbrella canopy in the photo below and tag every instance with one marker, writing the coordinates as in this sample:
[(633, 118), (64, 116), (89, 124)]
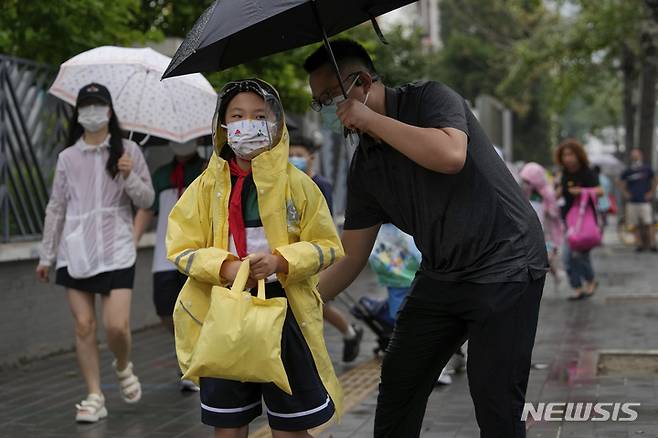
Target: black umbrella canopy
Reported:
[(232, 32)]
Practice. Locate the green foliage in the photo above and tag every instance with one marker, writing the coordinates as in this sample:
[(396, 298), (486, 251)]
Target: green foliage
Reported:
[(53, 31), (172, 18), (404, 59), (482, 42)]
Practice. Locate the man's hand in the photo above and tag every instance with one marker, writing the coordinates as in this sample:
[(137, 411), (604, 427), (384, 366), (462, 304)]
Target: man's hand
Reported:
[(358, 245), (262, 265), (125, 164), (648, 196), (355, 115), (575, 191)]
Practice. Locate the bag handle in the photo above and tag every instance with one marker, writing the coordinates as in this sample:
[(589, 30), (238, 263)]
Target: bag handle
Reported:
[(241, 279)]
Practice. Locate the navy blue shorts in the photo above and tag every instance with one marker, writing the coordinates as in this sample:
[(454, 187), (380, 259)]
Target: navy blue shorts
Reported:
[(233, 404), (166, 287)]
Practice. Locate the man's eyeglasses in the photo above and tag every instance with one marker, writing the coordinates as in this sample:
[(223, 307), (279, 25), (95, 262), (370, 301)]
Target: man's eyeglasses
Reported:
[(327, 99)]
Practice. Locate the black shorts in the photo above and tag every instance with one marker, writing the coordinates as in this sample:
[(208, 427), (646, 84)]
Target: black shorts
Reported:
[(166, 286), (233, 404), (101, 283)]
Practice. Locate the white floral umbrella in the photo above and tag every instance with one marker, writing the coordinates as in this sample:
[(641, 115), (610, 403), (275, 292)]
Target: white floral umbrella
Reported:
[(177, 109)]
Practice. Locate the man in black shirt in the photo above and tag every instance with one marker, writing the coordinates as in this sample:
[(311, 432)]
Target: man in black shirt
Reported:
[(424, 164)]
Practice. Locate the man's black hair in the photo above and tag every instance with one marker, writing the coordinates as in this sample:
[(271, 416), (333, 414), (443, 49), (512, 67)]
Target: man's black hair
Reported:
[(345, 50), (298, 139)]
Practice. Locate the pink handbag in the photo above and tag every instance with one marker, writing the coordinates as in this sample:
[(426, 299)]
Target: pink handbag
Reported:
[(583, 232)]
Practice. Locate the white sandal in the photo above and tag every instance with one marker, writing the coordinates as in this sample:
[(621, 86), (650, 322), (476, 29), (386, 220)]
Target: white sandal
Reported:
[(91, 409), (128, 383)]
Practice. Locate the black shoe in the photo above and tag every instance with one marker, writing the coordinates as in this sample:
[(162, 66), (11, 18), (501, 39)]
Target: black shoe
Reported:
[(351, 346), (639, 249), (653, 249)]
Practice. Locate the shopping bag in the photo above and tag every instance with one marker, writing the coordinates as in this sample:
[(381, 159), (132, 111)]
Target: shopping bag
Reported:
[(583, 232), (240, 338)]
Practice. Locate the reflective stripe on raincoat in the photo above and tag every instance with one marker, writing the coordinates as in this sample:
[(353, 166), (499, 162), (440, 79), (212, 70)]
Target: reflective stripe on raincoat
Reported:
[(298, 226)]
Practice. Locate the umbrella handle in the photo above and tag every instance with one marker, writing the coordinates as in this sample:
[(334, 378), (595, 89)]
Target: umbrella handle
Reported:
[(325, 40), (378, 30)]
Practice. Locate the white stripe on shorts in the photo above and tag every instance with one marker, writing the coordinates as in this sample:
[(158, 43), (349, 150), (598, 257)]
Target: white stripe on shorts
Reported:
[(300, 414), (230, 410)]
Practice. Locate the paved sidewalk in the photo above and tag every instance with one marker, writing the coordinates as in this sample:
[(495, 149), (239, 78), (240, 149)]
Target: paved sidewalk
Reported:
[(38, 398)]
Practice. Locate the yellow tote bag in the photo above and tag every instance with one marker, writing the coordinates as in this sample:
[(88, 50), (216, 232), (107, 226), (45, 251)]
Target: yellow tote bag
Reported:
[(241, 336)]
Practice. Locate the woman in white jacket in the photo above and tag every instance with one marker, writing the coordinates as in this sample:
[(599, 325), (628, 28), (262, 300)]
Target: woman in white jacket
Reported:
[(88, 232)]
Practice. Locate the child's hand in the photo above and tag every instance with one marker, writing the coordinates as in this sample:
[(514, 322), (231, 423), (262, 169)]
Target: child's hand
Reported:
[(229, 271), (262, 265)]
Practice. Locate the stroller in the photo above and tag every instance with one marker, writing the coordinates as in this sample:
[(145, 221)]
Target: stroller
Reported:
[(374, 314), (395, 260)]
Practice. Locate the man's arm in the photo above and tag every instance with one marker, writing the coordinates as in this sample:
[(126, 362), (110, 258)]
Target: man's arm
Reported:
[(652, 192), (358, 245), (438, 149), (623, 187), (441, 150)]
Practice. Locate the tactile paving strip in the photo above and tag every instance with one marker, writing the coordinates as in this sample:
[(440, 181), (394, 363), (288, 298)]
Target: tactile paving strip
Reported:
[(357, 383)]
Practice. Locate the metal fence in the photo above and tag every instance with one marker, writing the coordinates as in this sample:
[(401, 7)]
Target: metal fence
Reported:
[(32, 130)]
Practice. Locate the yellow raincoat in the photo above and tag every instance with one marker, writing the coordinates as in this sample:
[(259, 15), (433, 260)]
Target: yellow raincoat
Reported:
[(298, 226)]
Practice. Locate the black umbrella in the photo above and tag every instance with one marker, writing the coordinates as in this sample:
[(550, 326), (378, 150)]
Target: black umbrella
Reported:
[(232, 32)]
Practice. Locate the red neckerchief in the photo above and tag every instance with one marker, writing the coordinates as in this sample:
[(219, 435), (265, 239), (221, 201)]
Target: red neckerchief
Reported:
[(177, 177), (235, 218)]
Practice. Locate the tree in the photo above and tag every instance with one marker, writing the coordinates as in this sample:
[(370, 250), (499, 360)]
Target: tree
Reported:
[(53, 31), (481, 47)]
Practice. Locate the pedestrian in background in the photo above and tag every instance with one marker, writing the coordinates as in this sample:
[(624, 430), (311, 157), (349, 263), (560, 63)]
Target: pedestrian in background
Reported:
[(575, 176), (302, 156), (540, 193), (169, 182), (638, 184), (88, 232)]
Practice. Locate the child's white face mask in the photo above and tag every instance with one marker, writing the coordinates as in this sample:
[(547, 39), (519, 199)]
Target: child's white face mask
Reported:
[(248, 138), (93, 118)]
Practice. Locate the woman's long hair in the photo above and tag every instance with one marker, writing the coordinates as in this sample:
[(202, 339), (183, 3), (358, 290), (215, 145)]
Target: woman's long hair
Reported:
[(116, 138)]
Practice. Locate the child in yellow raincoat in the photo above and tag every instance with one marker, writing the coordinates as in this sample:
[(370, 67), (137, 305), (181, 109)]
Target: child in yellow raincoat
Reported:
[(250, 202)]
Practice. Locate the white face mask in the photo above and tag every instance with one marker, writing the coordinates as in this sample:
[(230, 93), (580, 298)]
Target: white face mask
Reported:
[(248, 138), (184, 149), (93, 117)]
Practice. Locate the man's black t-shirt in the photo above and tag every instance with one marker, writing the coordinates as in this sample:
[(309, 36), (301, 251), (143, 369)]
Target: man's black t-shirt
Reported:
[(473, 226), (584, 177)]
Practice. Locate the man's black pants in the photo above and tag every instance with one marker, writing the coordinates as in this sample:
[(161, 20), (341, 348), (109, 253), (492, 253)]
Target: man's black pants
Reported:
[(499, 320)]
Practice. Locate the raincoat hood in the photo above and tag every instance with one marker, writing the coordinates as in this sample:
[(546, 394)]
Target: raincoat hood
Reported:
[(279, 136), (535, 176)]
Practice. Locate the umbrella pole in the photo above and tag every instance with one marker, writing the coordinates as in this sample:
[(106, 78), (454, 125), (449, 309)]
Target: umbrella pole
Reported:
[(327, 46)]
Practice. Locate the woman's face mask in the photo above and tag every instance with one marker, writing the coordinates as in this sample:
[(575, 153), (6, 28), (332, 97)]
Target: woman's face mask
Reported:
[(93, 118), (248, 138)]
